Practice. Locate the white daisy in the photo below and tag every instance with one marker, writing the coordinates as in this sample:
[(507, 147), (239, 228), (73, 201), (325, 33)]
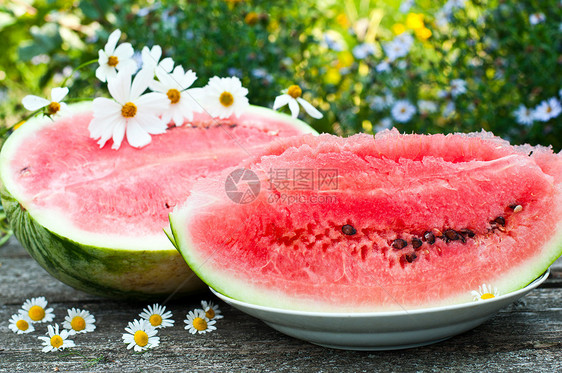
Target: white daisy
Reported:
[(458, 87), (79, 321), (292, 97), (151, 59), (130, 112), (485, 292), (334, 41), (54, 106), (222, 97), (197, 322), (157, 316), (427, 107), (396, 48), (212, 311), (402, 111), (36, 309), (183, 101), (547, 110), (377, 103), (21, 324), (524, 115), (536, 18), (385, 123), (113, 58), (140, 335), (363, 50), (56, 341), (449, 109)]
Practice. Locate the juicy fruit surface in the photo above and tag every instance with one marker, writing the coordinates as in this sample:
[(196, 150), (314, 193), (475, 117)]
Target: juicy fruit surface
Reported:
[(59, 171), (410, 221)]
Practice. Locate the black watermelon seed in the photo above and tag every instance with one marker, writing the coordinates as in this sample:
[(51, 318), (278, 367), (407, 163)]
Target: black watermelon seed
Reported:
[(467, 232), (416, 243), (451, 235), (429, 237), (348, 230), (500, 220), (410, 257), (399, 244)]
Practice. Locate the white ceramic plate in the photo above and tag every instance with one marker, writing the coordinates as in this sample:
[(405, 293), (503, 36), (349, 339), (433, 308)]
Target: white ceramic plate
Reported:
[(381, 330)]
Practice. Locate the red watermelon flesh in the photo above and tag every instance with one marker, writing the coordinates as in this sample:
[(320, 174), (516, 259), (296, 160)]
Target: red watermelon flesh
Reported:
[(60, 173), (409, 221)]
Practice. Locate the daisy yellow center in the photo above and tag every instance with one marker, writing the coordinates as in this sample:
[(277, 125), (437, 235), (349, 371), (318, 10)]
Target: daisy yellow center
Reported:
[(548, 109), (36, 313), (174, 95), (113, 61), (53, 108), (155, 320), (199, 324), (22, 325), (294, 91), (78, 323), (403, 110), (56, 341), (141, 338), (226, 99), (129, 110), (487, 296), (210, 313)]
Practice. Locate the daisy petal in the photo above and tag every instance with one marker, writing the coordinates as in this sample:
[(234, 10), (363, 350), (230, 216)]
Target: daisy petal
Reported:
[(140, 83), (32, 103), (167, 64), (281, 101), (136, 135), (311, 110), (124, 52), (58, 93), (294, 107), (120, 87), (112, 41)]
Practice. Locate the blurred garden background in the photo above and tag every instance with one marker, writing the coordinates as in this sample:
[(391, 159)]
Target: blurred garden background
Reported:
[(421, 66)]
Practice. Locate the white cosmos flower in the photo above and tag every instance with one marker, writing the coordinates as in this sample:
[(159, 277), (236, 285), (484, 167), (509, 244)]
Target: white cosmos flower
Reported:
[(223, 97), (140, 335), (536, 18), (458, 87), (402, 111), (197, 322), (212, 311), (547, 110), (399, 47), (363, 50), (56, 341), (292, 97), (130, 112), (36, 309), (485, 292), (449, 108), (385, 123), (405, 6), (54, 106), (383, 66), (157, 316), (183, 101), (21, 324), (113, 58), (151, 59), (524, 115), (79, 321)]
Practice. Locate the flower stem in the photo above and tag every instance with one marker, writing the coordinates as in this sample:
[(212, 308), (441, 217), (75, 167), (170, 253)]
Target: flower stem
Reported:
[(76, 69)]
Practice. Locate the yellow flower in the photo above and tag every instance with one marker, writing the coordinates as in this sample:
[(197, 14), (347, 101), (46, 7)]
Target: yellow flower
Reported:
[(423, 33), (345, 59), (398, 28), (332, 76), (251, 18), (414, 21), (342, 20)]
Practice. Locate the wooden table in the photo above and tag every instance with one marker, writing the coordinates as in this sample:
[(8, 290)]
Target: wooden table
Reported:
[(527, 336)]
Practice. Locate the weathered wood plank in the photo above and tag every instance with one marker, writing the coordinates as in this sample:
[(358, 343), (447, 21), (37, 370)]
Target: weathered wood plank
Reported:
[(527, 336)]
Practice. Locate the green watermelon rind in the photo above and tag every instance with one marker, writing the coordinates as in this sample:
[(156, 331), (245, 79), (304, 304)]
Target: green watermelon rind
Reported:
[(130, 272), (237, 288)]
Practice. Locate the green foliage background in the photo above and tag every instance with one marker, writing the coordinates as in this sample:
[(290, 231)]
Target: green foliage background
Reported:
[(504, 60)]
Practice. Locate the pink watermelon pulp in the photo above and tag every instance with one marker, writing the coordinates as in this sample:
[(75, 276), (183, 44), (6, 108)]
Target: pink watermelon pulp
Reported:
[(372, 224), (94, 217)]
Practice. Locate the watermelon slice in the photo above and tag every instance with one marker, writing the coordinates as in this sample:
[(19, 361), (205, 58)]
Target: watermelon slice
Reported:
[(93, 217), (377, 224)]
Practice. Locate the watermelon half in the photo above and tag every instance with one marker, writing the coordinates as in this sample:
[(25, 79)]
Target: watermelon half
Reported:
[(94, 218), (377, 223)]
